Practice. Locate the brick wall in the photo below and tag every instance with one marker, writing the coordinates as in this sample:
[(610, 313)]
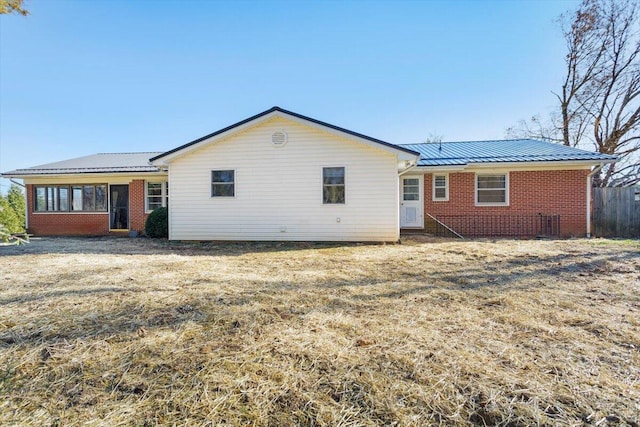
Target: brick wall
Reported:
[(137, 216), (65, 224), (85, 224), (560, 192)]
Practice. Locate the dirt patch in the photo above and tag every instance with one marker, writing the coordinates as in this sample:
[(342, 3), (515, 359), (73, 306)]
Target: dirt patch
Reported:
[(146, 332)]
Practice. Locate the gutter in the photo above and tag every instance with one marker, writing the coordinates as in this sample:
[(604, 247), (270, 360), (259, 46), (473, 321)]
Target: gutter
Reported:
[(412, 165), (17, 183), (589, 191)]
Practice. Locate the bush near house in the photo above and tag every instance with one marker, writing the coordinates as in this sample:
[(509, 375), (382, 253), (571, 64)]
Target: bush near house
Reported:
[(12, 210), (157, 224)]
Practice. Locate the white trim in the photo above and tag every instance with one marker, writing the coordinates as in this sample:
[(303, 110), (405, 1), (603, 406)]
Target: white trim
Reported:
[(589, 191), (561, 163), (506, 189), (434, 169), (163, 194), (70, 188), (446, 187), (169, 214), (90, 179), (420, 201), (235, 184), (322, 185), (28, 179), (71, 213), (514, 166)]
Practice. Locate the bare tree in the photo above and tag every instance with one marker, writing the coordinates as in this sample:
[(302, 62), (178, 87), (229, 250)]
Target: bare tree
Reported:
[(433, 138), (599, 101)]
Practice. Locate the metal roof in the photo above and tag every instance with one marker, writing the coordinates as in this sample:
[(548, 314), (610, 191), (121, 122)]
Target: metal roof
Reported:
[(95, 163), (431, 154), (512, 150)]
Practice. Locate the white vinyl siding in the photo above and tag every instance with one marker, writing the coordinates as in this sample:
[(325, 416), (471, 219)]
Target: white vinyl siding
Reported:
[(278, 189), (223, 183)]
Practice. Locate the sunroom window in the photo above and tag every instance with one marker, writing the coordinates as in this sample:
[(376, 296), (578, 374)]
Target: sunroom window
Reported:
[(64, 198)]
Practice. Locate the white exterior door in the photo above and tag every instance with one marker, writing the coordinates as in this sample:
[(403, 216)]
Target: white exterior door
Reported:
[(411, 206)]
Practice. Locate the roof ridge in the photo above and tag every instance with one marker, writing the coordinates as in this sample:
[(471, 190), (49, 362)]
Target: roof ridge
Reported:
[(289, 113)]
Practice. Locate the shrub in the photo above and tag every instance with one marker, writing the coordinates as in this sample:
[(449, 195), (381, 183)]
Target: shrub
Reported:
[(12, 210), (9, 219), (15, 197), (157, 224)]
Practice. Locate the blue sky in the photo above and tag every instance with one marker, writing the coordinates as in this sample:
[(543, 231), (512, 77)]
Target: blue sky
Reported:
[(81, 77)]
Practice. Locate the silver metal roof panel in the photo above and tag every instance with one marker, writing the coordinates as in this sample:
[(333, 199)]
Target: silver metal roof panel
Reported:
[(505, 151), (95, 163)]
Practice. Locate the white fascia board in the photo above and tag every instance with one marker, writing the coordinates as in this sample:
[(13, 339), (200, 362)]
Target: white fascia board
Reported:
[(452, 168), (548, 165), (134, 175), (516, 166), (79, 177)]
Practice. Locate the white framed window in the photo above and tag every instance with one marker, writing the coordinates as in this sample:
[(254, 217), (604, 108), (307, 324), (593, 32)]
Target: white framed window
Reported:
[(223, 183), (492, 189), (156, 195), (334, 185), (440, 187)]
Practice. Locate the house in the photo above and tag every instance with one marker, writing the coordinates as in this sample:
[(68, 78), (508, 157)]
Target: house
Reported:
[(282, 176)]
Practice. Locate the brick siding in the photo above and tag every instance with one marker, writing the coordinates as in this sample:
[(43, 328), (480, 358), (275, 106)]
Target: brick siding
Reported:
[(560, 192), (137, 216), (85, 223)]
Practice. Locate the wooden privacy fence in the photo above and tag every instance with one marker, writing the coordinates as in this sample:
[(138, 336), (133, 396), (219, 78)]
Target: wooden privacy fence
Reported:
[(616, 212)]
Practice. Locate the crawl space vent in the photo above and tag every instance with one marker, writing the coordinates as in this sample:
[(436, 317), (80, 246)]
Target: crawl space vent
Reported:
[(279, 138)]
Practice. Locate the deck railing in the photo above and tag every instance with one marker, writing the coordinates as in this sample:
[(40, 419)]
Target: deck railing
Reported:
[(536, 225)]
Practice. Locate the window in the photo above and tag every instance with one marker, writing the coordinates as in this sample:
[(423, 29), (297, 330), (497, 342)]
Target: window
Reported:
[(157, 195), (492, 190), (64, 198), (440, 187), (410, 189), (223, 183), (333, 185)]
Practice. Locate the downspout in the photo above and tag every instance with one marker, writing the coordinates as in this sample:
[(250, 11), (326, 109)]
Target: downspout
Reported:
[(412, 165), (26, 204), (589, 191)]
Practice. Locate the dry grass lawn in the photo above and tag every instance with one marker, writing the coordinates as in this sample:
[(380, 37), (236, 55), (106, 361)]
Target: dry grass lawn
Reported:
[(118, 331)]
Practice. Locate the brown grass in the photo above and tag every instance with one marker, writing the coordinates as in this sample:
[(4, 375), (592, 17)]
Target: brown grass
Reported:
[(140, 332)]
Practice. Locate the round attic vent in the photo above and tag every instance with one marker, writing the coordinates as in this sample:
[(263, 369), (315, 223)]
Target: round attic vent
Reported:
[(279, 138)]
